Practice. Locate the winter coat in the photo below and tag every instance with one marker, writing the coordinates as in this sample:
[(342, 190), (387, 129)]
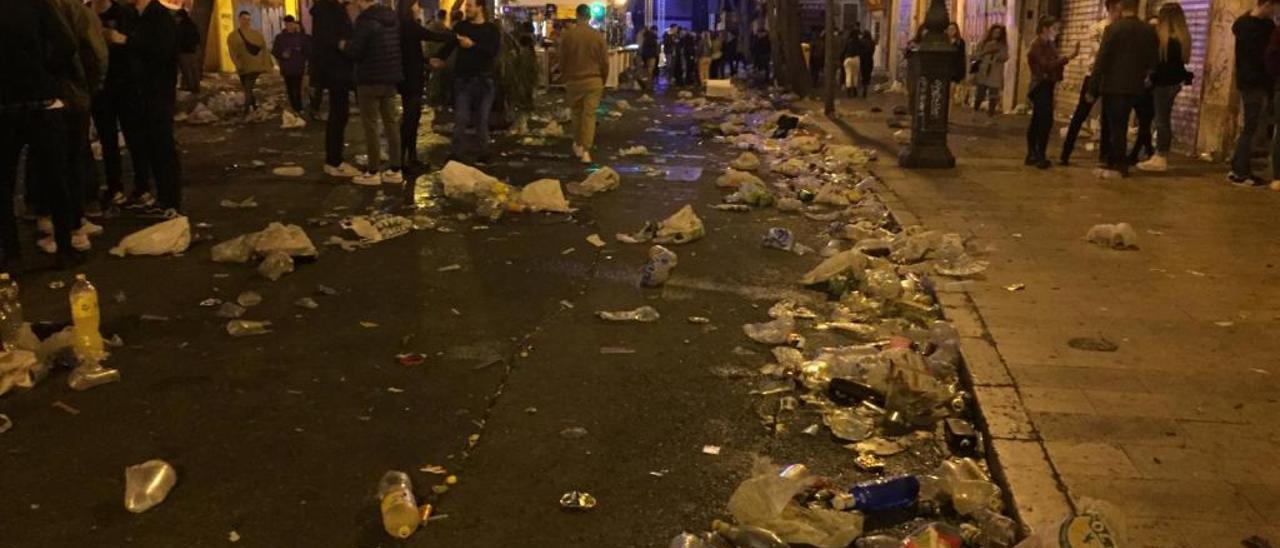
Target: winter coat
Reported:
[(375, 47), (991, 57), (330, 67), (292, 50), (34, 47), (1252, 36), (248, 50), (89, 70), (188, 34), (1129, 53), (122, 68)]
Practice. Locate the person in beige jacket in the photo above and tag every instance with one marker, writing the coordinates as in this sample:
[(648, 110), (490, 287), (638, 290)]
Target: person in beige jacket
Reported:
[(251, 56), (584, 64)]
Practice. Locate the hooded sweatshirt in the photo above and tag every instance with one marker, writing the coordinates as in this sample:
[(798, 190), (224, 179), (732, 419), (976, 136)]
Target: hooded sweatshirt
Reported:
[(375, 47)]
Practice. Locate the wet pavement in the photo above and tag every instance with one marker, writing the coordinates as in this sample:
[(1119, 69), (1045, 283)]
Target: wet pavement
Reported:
[(281, 438)]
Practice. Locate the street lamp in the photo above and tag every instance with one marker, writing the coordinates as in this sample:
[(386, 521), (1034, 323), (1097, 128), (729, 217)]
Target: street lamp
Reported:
[(929, 73)]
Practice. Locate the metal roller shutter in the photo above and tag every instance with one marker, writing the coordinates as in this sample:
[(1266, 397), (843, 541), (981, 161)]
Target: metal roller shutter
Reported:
[(1078, 19)]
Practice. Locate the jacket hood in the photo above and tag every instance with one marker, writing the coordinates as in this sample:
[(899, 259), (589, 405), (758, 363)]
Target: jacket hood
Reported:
[(380, 14)]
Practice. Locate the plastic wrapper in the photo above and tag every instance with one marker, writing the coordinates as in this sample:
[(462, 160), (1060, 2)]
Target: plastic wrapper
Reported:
[(643, 314), (682, 227), (733, 178), (245, 328), (235, 250), (751, 192), (166, 238), (1116, 236), (745, 162), (602, 180), (544, 195), (275, 265), (147, 484), (778, 238), (460, 180), (840, 263), (913, 391), (377, 227), (658, 268), (775, 332), (848, 424)]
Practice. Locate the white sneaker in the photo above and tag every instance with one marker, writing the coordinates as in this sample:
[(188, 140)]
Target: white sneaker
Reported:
[(119, 199), (44, 225), (79, 242), (1156, 163), (392, 177), (88, 228), (585, 156), (345, 170), (577, 150), (369, 178)]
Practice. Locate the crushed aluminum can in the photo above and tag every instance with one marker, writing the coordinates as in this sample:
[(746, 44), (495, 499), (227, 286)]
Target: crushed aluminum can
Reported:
[(577, 500), (147, 484), (869, 462)]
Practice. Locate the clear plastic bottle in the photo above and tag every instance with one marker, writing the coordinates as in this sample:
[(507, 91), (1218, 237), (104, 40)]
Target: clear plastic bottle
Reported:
[(400, 515), (85, 318), (10, 312)]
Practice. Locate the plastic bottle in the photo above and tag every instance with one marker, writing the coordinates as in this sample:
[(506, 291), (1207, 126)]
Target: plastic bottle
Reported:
[(400, 515), (10, 312), (85, 318), (885, 494), (746, 536)]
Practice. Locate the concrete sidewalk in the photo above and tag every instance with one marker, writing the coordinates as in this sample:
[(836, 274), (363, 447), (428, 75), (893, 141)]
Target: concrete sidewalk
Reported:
[(1179, 426)]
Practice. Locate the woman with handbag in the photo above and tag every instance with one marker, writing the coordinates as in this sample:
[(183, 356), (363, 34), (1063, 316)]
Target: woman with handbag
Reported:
[(988, 68), (248, 50), (1170, 75)]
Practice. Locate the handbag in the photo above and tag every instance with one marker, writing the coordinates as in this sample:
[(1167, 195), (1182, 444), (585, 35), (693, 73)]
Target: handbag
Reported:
[(249, 46)]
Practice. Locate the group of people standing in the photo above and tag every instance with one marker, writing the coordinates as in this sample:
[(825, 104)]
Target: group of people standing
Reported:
[(63, 64), (859, 54), (1137, 66), (692, 57)]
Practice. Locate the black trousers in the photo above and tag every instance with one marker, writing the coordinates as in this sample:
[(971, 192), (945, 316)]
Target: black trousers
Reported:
[(1115, 117), (1145, 108), (79, 162), (335, 128), (1078, 118), (411, 99), (293, 89), (1041, 97), (162, 149), (114, 111), (44, 132), (249, 82)]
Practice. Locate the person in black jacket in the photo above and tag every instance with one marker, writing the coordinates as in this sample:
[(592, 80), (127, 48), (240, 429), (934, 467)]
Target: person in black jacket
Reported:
[(649, 55), (154, 43), (375, 48), (1170, 75), (35, 47), (868, 62), (1126, 58), (188, 51), (414, 64), (118, 108), (332, 71), (477, 42), (1253, 32)]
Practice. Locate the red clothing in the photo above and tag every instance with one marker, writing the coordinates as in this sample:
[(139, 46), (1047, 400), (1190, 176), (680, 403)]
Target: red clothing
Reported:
[(1046, 64)]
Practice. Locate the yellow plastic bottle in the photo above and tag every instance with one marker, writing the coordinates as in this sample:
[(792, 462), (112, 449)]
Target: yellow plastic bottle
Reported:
[(85, 319), (400, 513)]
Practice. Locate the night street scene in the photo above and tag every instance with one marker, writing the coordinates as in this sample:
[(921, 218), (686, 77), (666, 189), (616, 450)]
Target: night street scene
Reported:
[(640, 273)]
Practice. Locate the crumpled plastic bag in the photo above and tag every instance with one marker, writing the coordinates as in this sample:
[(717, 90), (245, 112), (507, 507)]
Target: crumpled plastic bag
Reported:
[(835, 265), (751, 192), (275, 265), (733, 178), (833, 194), (460, 179), (848, 155), (775, 332), (169, 237), (746, 162), (602, 180), (766, 500), (289, 120), (17, 368), (1116, 236), (765, 494), (913, 390), (291, 239), (682, 227), (544, 195), (235, 250), (792, 167)]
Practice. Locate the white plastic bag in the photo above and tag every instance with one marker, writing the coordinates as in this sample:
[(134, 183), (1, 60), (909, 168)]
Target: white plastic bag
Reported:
[(290, 239), (172, 236), (460, 179), (604, 179), (544, 195), (682, 227)]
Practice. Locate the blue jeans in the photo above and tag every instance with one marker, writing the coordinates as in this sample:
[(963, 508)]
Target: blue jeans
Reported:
[(1164, 97), (473, 99), (1255, 103)]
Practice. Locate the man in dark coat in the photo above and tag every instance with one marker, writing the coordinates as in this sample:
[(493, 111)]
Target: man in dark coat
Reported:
[(118, 108), (332, 71)]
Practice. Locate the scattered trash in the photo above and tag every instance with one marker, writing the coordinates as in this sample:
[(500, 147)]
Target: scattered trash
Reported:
[(247, 203), (638, 150), (573, 433), (275, 265), (5, 423), (244, 328), (1116, 236), (233, 536), (288, 171), (230, 311), (616, 350), (595, 240), (643, 314), (377, 227), (544, 195), (601, 180), (147, 484), (400, 517), (166, 238), (711, 449), (449, 268), (1015, 287), (249, 299), (307, 303), (577, 500), (744, 162), (658, 269), (1093, 344)]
